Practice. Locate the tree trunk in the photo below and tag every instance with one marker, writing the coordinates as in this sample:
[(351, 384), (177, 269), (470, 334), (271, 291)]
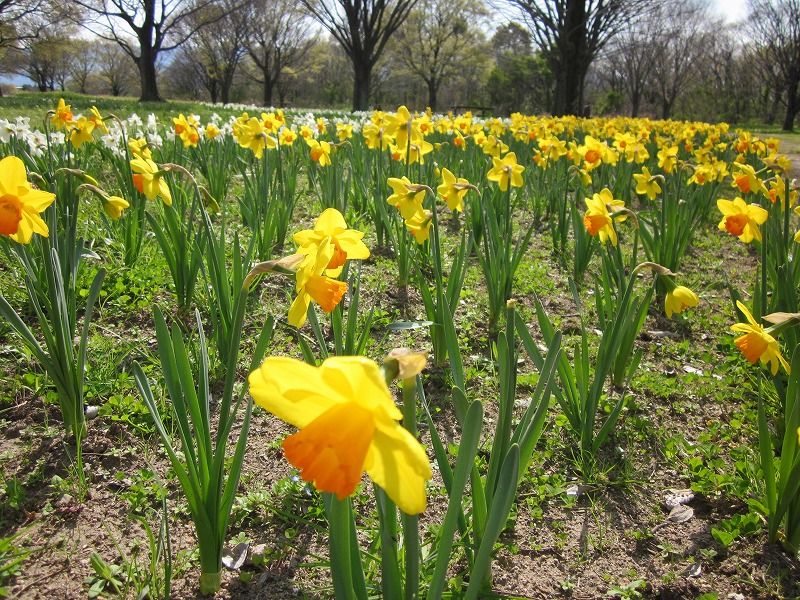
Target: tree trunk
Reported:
[(433, 88), (773, 110), (792, 105), (147, 74), (268, 87), (362, 74), (212, 90), (571, 59), (636, 99)]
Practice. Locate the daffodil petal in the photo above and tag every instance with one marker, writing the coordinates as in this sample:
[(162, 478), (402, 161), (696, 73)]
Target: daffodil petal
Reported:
[(292, 390)]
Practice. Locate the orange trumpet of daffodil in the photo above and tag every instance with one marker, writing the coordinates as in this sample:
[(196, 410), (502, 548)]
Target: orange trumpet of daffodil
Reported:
[(757, 343), (346, 243), (348, 424), (20, 204), (313, 285), (598, 218), (740, 219), (149, 180)]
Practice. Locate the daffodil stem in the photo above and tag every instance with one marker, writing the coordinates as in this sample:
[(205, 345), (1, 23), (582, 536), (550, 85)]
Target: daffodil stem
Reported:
[(345, 558), (411, 522), (763, 300), (391, 581)]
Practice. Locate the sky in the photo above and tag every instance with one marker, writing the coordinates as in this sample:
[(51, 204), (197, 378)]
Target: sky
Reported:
[(733, 10)]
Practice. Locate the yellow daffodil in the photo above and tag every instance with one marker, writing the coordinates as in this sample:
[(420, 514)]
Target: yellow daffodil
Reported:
[(757, 343), (251, 134), (211, 131), (747, 180), (139, 148), (62, 116), (506, 171), (98, 120), (346, 243), (186, 130), (740, 219), (777, 191), (344, 131), (348, 424), (149, 180), (597, 219), (402, 126), (81, 132), (306, 132), (668, 159), (453, 190), (375, 138), (459, 141), (320, 152), (494, 147), (113, 206), (647, 184), (287, 137), (679, 299), (592, 152), (20, 204), (313, 285), (407, 197), (420, 225), (180, 124)]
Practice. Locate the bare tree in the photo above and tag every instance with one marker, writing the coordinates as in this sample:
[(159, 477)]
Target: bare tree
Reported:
[(774, 26), (144, 29), (686, 25), (572, 33), (435, 38), (116, 69), (278, 40), (22, 20), (632, 57), (83, 64), (215, 52), (44, 60), (362, 28)]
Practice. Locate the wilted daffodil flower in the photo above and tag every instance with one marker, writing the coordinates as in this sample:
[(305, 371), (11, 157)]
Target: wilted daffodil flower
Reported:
[(346, 243), (21, 205), (506, 171), (313, 285), (758, 343), (348, 424), (740, 219)]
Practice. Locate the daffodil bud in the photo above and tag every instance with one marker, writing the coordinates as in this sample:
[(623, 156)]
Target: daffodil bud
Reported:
[(402, 363)]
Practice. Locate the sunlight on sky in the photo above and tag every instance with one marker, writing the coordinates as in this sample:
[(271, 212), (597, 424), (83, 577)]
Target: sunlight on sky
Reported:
[(733, 10)]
